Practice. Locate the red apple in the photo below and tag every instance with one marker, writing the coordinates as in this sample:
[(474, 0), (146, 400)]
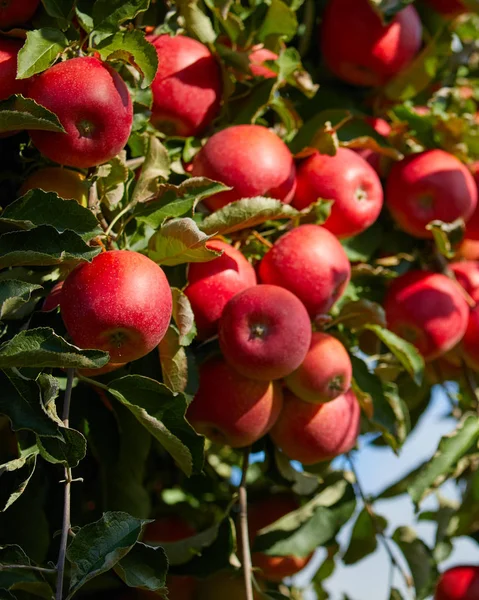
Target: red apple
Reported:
[(52, 301), (310, 262), (360, 49), (311, 433), (251, 159), (472, 226), (458, 583), (467, 274), (94, 106), (262, 513), (231, 409), (469, 344), (16, 12), (213, 283), (120, 302), (9, 85), (325, 373), (257, 57), (347, 179), (429, 186), (265, 332), (187, 88), (468, 249), (375, 159), (448, 8), (428, 310)]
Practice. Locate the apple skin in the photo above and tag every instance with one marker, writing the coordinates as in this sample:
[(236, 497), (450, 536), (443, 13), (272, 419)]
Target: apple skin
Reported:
[(325, 373), (265, 332), (224, 585), (9, 85), (347, 179), (448, 8), (251, 159), (231, 409), (375, 159), (257, 57), (120, 302), (468, 249), (472, 226), (469, 344), (458, 583), (262, 513), (187, 88), (17, 12), (84, 93), (428, 186), (428, 310), (467, 274), (212, 284), (359, 49), (311, 433), (68, 184), (52, 301), (310, 262)]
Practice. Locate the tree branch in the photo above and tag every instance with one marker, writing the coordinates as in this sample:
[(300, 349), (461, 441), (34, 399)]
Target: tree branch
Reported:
[(243, 519)]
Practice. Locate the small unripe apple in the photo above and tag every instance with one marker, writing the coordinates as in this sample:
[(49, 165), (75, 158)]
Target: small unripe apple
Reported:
[(310, 262), (377, 161), (362, 50), (265, 332), (429, 186), (347, 179), (68, 184), (251, 159), (120, 302), (311, 433), (231, 409), (325, 373), (9, 85), (16, 12), (94, 107), (458, 583), (467, 274), (262, 513), (448, 8), (224, 585), (187, 87), (428, 310), (212, 284)]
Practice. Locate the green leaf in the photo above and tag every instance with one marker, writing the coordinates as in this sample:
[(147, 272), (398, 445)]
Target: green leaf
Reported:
[(40, 51), (197, 23), (21, 579), (14, 477), (280, 21), (363, 540), (111, 181), (22, 113), (174, 363), (179, 241), (451, 448), (361, 248), (245, 214), (99, 546), (162, 412), (60, 9), (156, 166), (250, 109), (14, 294), (43, 246), (447, 235), (183, 317), (68, 453), (405, 352), (131, 47), (42, 347), (420, 561), (386, 9), (182, 551), (37, 207), (143, 567), (108, 14)]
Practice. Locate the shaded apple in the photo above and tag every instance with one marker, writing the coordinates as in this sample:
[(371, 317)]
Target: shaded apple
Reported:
[(377, 161), (211, 284), (120, 302), (310, 262), (68, 184), (16, 12), (231, 409), (52, 301), (311, 433), (347, 179), (458, 583), (9, 84), (251, 159)]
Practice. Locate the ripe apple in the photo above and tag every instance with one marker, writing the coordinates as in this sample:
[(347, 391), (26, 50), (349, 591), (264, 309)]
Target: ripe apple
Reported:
[(224, 585), (347, 179), (311, 433), (52, 301), (469, 344), (9, 85), (251, 159), (94, 106), (360, 49), (325, 373), (265, 332), (458, 583), (212, 284), (231, 409), (310, 262), (375, 159), (262, 513), (68, 184), (16, 12), (257, 57), (428, 186), (467, 274), (428, 310), (120, 302), (448, 8), (187, 88)]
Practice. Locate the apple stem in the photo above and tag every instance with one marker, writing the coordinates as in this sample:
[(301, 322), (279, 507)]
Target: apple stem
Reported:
[(67, 499), (243, 518)]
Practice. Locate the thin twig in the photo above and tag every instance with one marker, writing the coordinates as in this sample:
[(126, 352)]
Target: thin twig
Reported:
[(27, 568), (66, 526), (243, 518)]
